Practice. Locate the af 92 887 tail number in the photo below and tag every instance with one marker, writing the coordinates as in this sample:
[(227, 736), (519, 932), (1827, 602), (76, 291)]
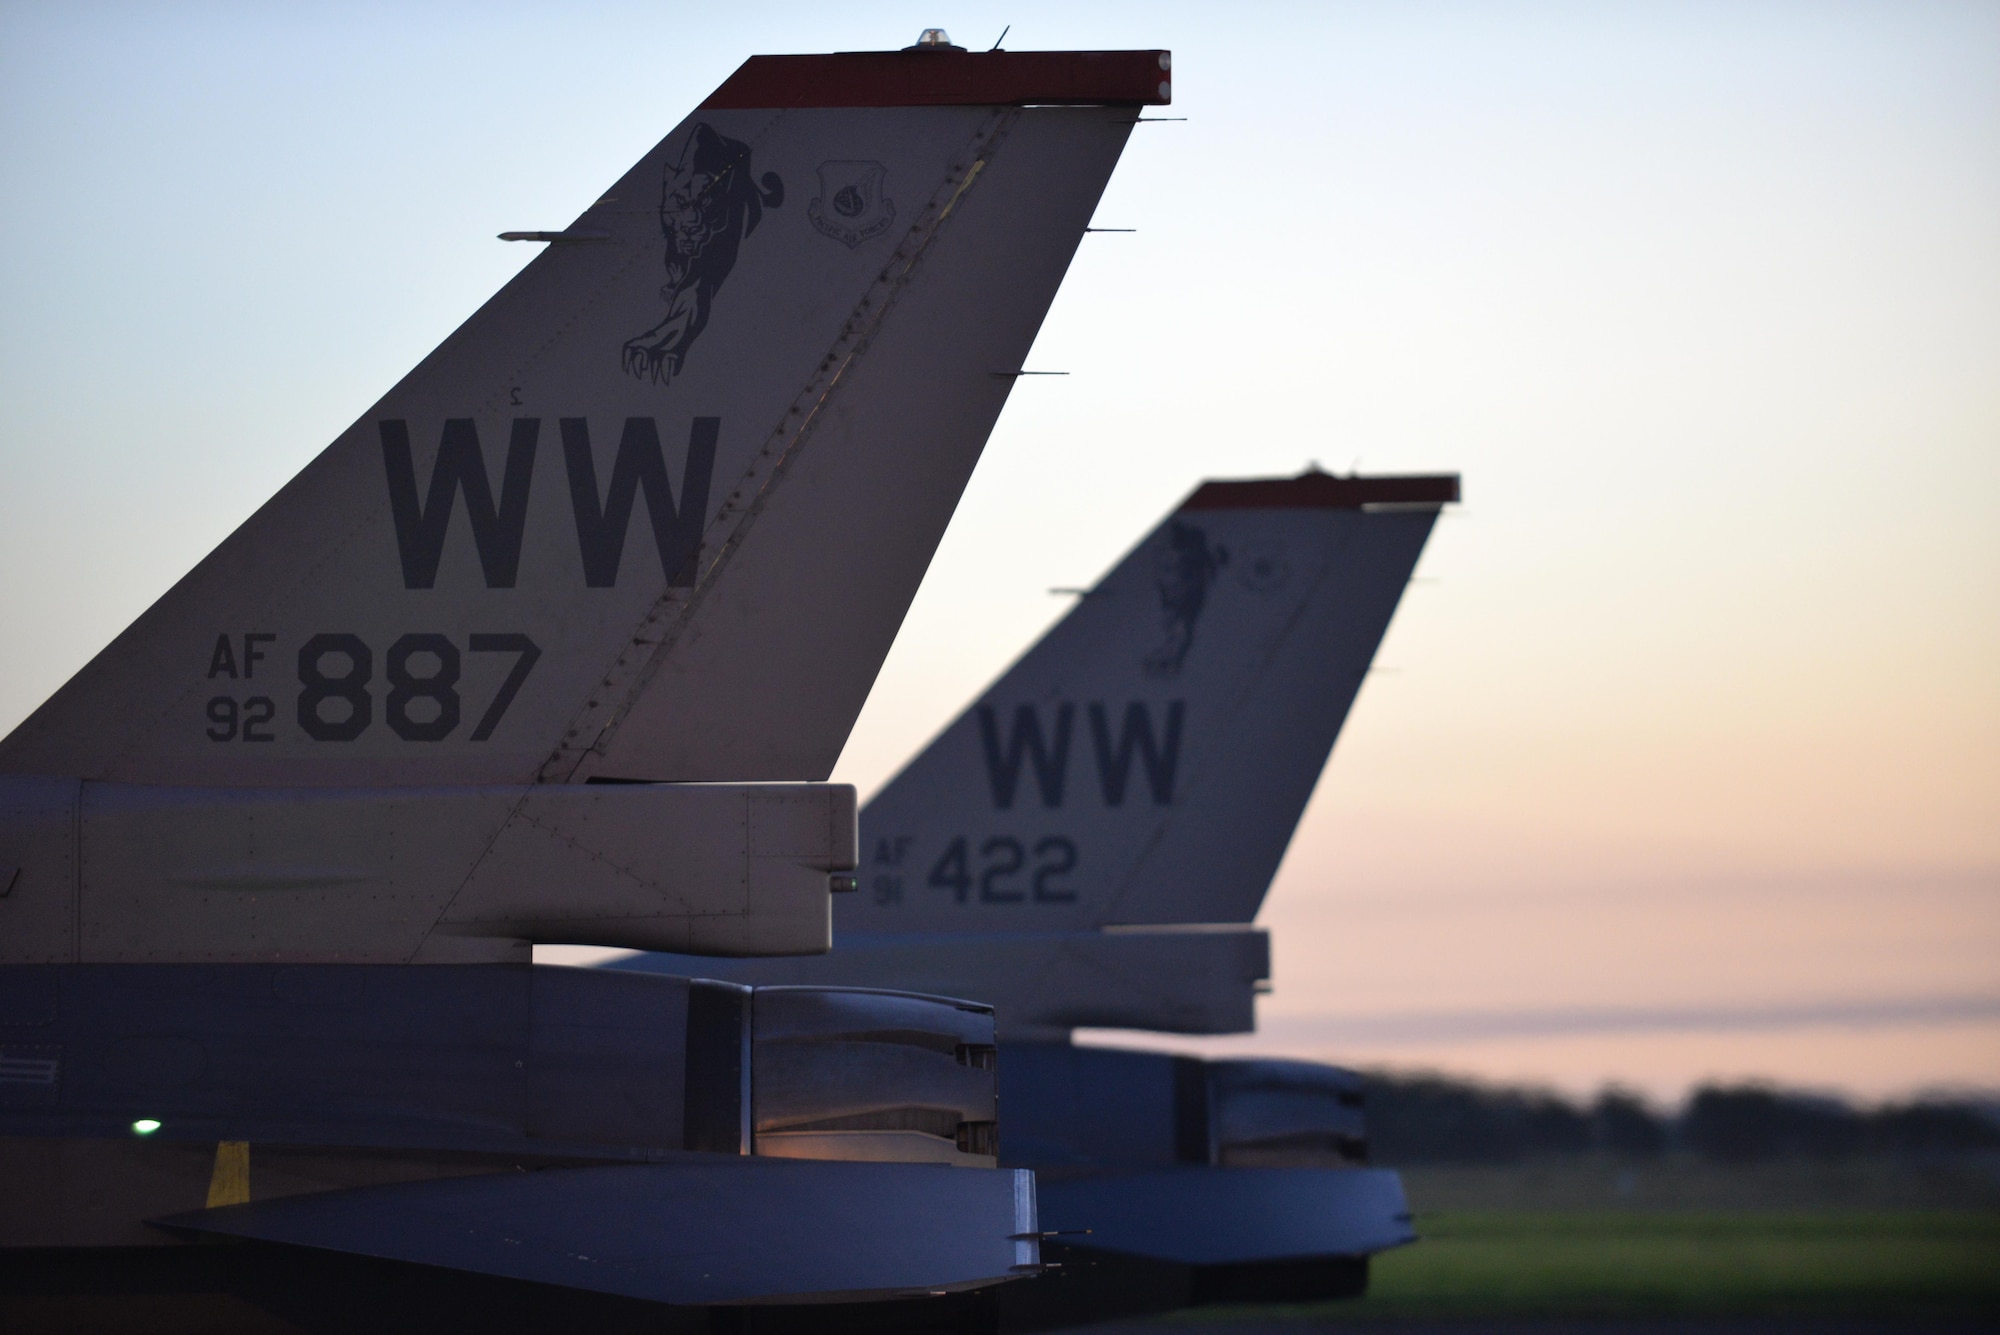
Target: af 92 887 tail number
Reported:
[(336, 671)]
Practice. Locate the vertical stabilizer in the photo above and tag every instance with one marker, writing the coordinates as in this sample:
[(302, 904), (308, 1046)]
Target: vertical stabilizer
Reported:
[(657, 509), (1147, 761)]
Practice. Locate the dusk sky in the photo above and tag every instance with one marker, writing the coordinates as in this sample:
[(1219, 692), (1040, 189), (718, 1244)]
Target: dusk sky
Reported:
[(1683, 756)]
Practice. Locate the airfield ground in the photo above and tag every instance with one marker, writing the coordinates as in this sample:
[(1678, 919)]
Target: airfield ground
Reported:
[(1673, 1247), (1902, 1265)]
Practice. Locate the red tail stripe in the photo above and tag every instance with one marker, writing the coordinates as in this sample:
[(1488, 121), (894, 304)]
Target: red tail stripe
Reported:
[(931, 78), (1324, 491)]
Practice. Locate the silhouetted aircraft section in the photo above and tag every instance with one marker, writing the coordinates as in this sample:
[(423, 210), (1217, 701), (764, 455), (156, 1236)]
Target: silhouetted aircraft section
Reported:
[(275, 860), (1087, 845)]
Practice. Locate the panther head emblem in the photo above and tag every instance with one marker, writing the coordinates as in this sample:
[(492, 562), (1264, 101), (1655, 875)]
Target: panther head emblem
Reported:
[(1183, 568), (709, 202)]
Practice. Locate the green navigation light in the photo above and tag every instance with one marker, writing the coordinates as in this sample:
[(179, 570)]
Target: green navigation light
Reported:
[(145, 1126)]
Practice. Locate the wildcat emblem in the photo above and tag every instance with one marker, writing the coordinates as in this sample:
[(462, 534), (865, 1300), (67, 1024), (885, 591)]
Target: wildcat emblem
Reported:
[(708, 204), (1183, 568)]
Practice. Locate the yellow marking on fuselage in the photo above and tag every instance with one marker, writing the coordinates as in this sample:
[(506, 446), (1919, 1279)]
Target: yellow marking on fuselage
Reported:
[(229, 1184)]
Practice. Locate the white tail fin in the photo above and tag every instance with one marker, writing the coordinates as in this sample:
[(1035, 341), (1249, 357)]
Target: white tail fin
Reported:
[(656, 510)]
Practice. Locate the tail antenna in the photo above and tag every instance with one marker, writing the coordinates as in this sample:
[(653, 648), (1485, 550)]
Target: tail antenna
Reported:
[(1002, 37)]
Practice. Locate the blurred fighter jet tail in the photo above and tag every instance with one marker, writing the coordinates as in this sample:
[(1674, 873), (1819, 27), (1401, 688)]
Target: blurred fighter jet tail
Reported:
[(1087, 844)]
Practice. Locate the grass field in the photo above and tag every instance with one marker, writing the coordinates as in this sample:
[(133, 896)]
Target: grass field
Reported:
[(1876, 1264)]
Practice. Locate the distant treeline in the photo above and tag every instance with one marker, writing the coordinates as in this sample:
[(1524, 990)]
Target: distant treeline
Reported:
[(1435, 1119)]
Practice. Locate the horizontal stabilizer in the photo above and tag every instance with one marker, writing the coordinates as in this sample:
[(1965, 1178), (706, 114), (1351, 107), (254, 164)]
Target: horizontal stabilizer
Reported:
[(725, 1232)]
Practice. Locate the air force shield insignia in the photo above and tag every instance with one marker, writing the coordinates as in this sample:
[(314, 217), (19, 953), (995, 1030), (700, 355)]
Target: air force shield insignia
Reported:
[(851, 207)]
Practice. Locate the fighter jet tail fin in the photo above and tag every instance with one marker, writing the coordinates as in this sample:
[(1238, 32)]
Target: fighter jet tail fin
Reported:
[(657, 509), (1146, 762)]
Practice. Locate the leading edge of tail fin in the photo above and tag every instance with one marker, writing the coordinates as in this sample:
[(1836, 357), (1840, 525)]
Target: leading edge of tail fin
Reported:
[(657, 509), (1147, 761)]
